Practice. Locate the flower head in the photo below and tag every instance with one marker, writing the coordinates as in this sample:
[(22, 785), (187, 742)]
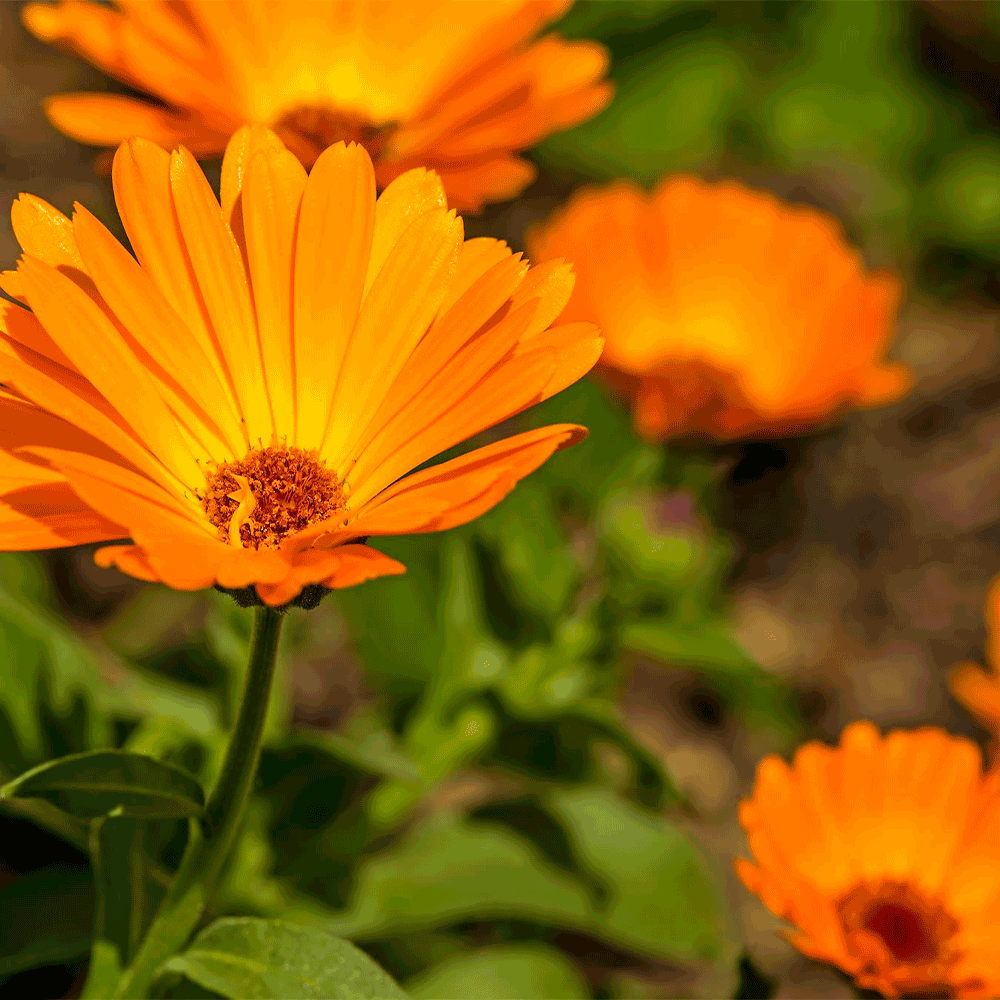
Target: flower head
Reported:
[(245, 397), (885, 855), (455, 86), (727, 314)]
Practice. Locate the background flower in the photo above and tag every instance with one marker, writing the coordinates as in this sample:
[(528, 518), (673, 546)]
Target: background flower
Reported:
[(883, 855), (457, 87), (728, 314)]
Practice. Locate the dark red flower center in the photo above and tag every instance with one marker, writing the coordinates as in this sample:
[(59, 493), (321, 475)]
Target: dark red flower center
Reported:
[(268, 494), (902, 930)]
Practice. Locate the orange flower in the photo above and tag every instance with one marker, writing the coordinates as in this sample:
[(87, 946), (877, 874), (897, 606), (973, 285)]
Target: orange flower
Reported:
[(978, 690), (243, 400), (727, 313), (885, 855), (455, 86)]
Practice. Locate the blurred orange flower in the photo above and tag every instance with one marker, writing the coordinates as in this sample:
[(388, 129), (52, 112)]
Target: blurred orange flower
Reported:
[(244, 399), (885, 855), (727, 313), (978, 690), (455, 86)]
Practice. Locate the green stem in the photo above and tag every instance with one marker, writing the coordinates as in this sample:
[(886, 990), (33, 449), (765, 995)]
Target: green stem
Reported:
[(211, 841)]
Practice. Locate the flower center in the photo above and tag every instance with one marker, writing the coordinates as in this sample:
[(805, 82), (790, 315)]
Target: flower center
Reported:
[(307, 131), (897, 930), (902, 930), (268, 494)]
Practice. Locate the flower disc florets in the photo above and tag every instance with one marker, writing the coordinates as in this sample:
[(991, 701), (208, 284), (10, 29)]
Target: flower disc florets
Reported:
[(270, 493)]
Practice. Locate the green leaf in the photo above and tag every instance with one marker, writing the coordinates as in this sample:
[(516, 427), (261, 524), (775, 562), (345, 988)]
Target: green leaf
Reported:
[(250, 959), (123, 900), (111, 783), (45, 918), (661, 895), (532, 971), (446, 872)]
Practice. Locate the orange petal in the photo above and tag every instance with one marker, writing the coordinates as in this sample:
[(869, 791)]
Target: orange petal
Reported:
[(511, 387), (331, 256), (272, 191), (141, 178), (395, 315), (979, 692), (44, 232), (457, 491), (85, 334), (50, 516), (218, 268), (440, 392), (161, 333), (108, 119), (129, 498), (408, 196), (343, 566)]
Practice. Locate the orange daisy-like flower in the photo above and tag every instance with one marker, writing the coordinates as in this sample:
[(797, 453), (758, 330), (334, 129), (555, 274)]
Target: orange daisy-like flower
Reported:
[(978, 690), (455, 86), (727, 313), (243, 400), (885, 855)]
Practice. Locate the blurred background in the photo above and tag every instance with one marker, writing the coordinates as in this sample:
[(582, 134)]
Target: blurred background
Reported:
[(514, 771)]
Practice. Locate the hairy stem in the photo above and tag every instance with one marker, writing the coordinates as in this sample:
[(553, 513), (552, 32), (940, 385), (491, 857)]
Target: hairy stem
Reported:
[(211, 840)]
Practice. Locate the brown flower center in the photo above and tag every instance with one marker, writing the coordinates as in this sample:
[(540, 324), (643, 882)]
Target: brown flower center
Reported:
[(307, 131), (268, 494), (900, 934)]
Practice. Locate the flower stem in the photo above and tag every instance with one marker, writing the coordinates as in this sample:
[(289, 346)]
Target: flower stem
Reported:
[(211, 840)]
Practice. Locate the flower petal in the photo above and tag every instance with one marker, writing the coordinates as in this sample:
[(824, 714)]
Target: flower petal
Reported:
[(218, 268), (408, 196), (343, 566), (141, 178), (86, 335), (395, 315), (331, 257), (272, 191), (50, 516)]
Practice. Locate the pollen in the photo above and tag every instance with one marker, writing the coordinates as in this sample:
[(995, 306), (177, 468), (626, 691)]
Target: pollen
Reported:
[(269, 494)]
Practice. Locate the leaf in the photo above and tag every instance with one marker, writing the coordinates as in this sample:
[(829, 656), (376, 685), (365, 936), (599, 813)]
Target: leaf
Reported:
[(111, 783), (249, 959), (446, 872), (123, 903), (660, 891), (532, 971), (45, 918)]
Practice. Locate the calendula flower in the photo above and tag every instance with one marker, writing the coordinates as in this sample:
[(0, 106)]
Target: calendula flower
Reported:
[(884, 853), (977, 689), (727, 313), (452, 85), (245, 399)]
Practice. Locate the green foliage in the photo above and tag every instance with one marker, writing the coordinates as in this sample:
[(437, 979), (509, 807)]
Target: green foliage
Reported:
[(447, 871), (111, 783), (247, 959), (531, 971)]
